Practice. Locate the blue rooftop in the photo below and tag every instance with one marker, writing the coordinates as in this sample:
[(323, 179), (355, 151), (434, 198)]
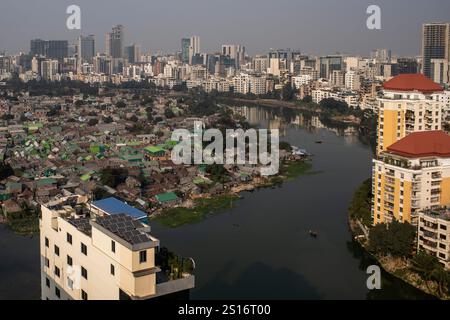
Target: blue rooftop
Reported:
[(114, 206)]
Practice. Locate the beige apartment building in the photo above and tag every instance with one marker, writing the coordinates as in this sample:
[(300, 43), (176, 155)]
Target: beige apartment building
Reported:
[(94, 252), (434, 234), (413, 174)]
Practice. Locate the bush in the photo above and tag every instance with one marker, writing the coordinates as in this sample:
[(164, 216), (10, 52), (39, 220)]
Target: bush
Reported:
[(360, 206), (396, 239)]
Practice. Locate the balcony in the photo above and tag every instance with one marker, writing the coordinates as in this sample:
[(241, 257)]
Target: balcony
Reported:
[(429, 244), (436, 176)]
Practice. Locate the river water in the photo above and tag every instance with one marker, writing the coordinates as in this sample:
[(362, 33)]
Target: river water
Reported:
[(261, 249)]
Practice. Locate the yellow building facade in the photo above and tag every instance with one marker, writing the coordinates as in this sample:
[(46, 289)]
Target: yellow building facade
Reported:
[(411, 175), (408, 105)]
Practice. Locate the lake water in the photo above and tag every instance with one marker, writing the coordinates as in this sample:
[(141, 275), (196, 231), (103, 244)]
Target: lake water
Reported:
[(261, 249)]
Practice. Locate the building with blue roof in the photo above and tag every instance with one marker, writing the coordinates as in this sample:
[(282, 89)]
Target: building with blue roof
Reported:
[(113, 206)]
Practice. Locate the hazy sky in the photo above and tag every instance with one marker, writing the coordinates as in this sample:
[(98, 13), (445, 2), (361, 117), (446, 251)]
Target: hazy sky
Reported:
[(313, 26)]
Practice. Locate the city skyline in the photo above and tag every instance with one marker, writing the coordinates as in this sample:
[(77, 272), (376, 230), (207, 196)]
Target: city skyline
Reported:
[(302, 25)]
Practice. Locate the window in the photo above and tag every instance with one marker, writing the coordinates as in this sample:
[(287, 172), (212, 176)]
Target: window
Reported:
[(57, 292), (113, 271), (57, 250), (47, 282), (47, 242), (69, 260), (69, 238), (84, 295), (84, 249), (47, 263), (84, 273), (113, 246), (57, 272), (70, 283), (142, 256)]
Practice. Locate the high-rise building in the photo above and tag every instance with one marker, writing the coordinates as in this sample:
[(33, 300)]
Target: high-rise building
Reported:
[(49, 69), (337, 78), (412, 174), (185, 45), (102, 64), (328, 64), (51, 49), (352, 80), (115, 41), (407, 65), (260, 64), (194, 48), (440, 71), (57, 49), (86, 48), (434, 234), (235, 52), (435, 45), (38, 47), (103, 251), (407, 106), (382, 55), (195, 44), (133, 53)]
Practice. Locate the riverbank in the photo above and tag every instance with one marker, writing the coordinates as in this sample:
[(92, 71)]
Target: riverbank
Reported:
[(202, 208), (400, 268), (25, 224)]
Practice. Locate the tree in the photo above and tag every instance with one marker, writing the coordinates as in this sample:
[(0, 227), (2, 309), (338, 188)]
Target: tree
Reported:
[(217, 172), (396, 239), (360, 206), (107, 119), (121, 104), (429, 268), (112, 177), (5, 171), (285, 146), (307, 99), (92, 122), (7, 116), (168, 113), (333, 105), (288, 92)]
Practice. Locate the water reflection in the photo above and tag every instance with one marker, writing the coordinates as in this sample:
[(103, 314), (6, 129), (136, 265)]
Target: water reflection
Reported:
[(271, 254)]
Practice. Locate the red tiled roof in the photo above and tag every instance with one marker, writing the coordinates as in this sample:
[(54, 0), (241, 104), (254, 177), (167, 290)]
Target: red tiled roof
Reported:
[(412, 82), (423, 144)]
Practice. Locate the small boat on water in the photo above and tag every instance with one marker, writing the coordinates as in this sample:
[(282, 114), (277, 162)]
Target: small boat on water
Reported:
[(319, 141), (313, 234)]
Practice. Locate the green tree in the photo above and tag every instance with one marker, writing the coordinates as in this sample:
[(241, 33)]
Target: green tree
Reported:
[(92, 122), (112, 177), (286, 146), (396, 239), (288, 92), (360, 206), (121, 104), (168, 113), (5, 171)]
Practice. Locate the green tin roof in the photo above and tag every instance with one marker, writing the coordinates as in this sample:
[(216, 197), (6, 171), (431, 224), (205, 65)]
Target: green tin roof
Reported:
[(166, 197)]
